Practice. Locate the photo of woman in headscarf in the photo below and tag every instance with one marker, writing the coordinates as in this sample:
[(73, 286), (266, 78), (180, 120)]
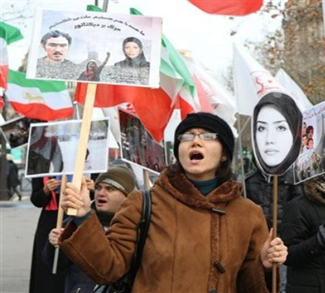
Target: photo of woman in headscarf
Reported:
[(134, 55), (93, 71), (134, 68), (277, 123), (44, 154)]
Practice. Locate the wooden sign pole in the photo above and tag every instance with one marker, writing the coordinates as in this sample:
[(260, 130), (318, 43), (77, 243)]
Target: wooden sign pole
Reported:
[(146, 179), (59, 222), (275, 229), (84, 134)]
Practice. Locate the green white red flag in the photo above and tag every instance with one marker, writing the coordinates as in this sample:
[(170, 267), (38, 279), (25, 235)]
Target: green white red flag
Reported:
[(228, 7), (8, 35), (212, 96), (38, 99)]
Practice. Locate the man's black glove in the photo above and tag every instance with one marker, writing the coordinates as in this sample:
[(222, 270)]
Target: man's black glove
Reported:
[(321, 235)]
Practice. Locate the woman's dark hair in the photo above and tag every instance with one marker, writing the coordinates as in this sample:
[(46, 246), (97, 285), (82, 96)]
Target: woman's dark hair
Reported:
[(308, 140), (140, 60), (309, 128), (133, 40), (288, 108)]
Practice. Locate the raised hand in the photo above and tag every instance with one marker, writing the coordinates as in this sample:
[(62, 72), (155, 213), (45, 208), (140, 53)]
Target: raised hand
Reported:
[(76, 199)]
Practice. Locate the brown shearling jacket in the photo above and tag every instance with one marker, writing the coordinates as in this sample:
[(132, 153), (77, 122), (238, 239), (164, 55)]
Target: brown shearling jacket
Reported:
[(191, 246)]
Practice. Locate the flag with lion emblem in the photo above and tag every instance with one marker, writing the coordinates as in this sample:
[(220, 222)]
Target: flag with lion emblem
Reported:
[(37, 99)]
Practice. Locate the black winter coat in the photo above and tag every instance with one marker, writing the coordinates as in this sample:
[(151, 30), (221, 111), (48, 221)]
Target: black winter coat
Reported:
[(306, 260), (12, 177), (41, 279), (76, 279), (259, 189)]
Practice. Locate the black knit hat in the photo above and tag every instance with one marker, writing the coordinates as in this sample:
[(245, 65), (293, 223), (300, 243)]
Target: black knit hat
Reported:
[(208, 122), (119, 177)]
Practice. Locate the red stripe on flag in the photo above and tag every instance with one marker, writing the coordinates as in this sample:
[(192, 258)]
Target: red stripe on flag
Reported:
[(4, 76), (228, 7), (41, 111), (205, 105), (2, 104), (153, 106), (184, 107)]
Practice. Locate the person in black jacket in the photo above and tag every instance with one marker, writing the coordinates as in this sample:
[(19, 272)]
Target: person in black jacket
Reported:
[(259, 189), (44, 195), (303, 231), (12, 177), (111, 188)]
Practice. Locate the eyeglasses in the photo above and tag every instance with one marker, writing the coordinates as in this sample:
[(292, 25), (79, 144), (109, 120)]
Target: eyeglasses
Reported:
[(204, 136)]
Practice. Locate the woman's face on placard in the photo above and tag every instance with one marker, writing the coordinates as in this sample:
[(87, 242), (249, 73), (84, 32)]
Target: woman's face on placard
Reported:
[(132, 50), (273, 136)]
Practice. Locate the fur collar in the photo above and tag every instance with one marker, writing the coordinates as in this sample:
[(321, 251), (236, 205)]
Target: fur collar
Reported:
[(181, 188), (315, 189)]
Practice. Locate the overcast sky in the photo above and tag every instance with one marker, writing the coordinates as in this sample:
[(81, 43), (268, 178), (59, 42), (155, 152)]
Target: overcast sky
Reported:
[(207, 36)]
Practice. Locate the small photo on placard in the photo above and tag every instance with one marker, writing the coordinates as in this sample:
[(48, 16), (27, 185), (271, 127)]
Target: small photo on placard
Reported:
[(52, 148), (16, 131), (138, 146)]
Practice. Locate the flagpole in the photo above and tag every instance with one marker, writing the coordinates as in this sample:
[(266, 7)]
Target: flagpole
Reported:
[(59, 222), (241, 153), (83, 139), (105, 5), (84, 133), (146, 179), (275, 229)]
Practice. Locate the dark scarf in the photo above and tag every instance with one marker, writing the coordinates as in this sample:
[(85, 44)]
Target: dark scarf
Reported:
[(103, 217), (207, 186), (38, 138), (290, 111), (139, 61)]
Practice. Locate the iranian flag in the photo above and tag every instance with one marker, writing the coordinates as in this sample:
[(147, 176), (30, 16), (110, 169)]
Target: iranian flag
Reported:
[(228, 7), (212, 97), (44, 100), (8, 35)]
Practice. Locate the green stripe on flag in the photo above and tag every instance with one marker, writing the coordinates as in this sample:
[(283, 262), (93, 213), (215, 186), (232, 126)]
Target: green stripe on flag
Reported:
[(9, 33), (19, 79), (166, 69), (179, 64), (93, 8), (175, 59)]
